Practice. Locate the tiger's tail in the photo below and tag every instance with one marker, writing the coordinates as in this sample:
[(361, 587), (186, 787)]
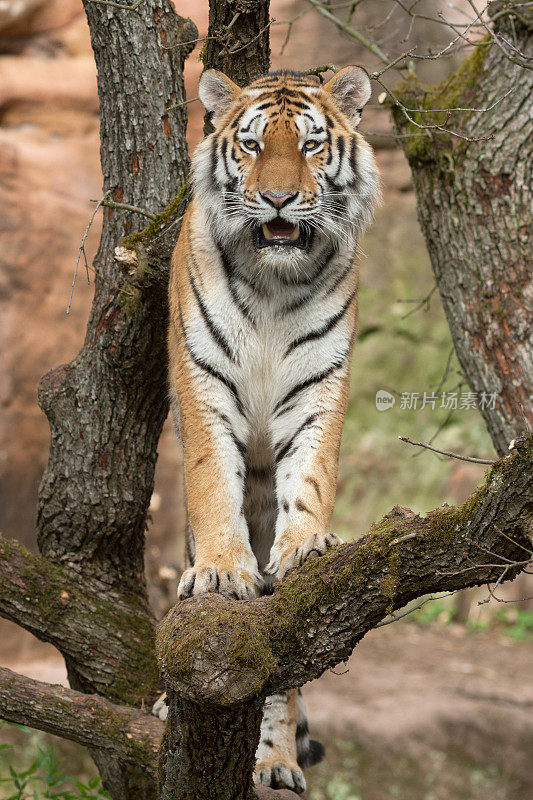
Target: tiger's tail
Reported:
[(309, 751)]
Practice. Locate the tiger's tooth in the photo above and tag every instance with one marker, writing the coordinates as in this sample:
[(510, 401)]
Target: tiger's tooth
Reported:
[(296, 232), (266, 232)]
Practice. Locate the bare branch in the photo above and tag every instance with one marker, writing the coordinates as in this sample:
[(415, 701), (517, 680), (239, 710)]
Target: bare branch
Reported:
[(81, 249), (127, 207), (131, 735), (412, 609), (446, 452), (348, 29)]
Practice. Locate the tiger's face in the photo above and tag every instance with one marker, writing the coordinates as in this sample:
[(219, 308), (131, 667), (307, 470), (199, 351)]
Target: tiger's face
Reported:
[(285, 168)]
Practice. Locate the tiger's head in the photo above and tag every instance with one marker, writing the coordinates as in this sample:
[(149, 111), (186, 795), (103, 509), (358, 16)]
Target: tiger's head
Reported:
[(285, 169)]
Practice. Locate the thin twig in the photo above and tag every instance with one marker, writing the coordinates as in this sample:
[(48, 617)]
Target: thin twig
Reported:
[(513, 541), (183, 103), (117, 5), (445, 452), (425, 301), (319, 70), (351, 31), (396, 617), (491, 591), (82, 249), (126, 207)]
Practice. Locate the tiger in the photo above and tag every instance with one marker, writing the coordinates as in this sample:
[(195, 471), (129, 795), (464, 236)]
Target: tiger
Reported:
[(263, 317)]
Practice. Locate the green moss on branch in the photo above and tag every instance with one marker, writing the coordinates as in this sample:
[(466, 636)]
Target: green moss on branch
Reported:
[(169, 214), (455, 91)]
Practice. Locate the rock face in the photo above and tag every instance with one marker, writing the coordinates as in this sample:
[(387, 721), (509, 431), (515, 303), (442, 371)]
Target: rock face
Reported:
[(49, 166)]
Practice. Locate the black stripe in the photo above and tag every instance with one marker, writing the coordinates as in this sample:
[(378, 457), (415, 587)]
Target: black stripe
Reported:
[(330, 149), (208, 368), (215, 332), (223, 154), (300, 105), (258, 473), (245, 130), (214, 161), (353, 155), (310, 382), (237, 119), (332, 185), (340, 145), (286, 447), (202, 364), (296, 304), (241, 447), (326, 327), (338, 280), (228, 271)]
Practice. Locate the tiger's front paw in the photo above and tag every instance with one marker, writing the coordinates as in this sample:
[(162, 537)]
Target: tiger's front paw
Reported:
[(239, 583), (279, 775), (282, 561)]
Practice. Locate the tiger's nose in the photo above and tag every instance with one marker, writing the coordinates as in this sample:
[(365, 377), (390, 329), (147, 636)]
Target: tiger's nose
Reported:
[(278, 199)]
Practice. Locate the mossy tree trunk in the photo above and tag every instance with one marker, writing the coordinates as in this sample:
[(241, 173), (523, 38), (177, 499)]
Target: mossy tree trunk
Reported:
[(474, 204), (208, 752)]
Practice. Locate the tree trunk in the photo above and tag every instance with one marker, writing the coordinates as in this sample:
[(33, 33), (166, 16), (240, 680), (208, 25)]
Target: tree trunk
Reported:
[(107, 407), (221, 768), (474, 206), (238, 41)]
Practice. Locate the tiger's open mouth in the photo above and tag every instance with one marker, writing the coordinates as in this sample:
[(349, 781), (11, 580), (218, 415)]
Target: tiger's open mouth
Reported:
[(278, 232)]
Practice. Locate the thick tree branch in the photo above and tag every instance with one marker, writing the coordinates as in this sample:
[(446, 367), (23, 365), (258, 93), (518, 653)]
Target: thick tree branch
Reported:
[(106, 638), (223, 652), (131, 735)]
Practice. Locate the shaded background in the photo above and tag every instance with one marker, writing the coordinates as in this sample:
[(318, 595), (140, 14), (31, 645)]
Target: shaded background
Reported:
[(437, 707)]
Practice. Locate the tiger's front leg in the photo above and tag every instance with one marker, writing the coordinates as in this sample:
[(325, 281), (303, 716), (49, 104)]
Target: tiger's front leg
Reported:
[(214, 475), (306, 459)]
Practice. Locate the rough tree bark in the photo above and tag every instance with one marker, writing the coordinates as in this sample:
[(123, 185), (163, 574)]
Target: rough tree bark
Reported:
[(123, 732), (107, 407), (474, 204)]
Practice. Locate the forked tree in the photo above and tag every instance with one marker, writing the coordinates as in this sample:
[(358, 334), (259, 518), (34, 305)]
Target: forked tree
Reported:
[(86, 592)]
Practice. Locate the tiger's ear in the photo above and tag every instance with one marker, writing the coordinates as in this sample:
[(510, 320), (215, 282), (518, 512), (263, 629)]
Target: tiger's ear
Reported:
[(217, 92), (350, 88)]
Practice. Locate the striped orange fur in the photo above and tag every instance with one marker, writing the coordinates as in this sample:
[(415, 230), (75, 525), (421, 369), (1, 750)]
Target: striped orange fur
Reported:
[(263, 317)]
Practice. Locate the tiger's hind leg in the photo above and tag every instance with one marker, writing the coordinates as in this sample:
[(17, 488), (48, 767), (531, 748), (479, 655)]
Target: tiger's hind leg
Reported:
[(284, 744)]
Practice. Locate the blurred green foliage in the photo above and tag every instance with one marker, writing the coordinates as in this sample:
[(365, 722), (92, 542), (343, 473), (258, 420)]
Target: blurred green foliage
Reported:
[(401, 349), (41, 777)]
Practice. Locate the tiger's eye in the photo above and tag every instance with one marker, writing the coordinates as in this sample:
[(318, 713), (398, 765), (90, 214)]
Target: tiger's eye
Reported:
[(311, 145), (252, 145)]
